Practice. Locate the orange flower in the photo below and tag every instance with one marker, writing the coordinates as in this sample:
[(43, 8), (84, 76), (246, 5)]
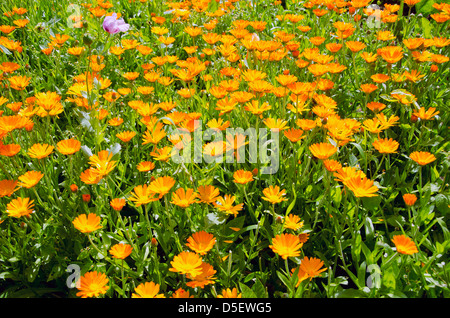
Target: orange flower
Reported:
[(229, 293), (201, 242), (9, 150), (30, 179), (102, 163), (409, 199), (145, 166), (274, 195), (68, 146), (187, 263), (126, 136), (93, 284), (391, 54), (322, 150), (87, 223), (332, 165), (355, 46), (40, 151), (226, 204), (312, 267), (293, 222), (203, 279), (161, 185), (20, 207), (242, 176), (386, 145), (7, 187), (117, 204), (426, 114), (208, 193), (19, 82), (286, 245), (422, 157), (184, 198), (294, 135), (147, 290), (404, 245), (361, 186), (143, 195), (121, 250)]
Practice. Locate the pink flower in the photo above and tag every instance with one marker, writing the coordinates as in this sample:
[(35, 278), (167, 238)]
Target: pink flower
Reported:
[(112, 25)]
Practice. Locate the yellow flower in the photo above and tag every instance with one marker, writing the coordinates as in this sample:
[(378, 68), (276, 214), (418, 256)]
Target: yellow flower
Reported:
[(201, 242), (93, 284), (422, 157), (87, 223), (121, 250), (20, 207), (274, 195), (322, 150), (286, 245), (40, 151), (293, 222), (147, 290), (229, 293), (404, 245), (187, 263), (30, 179)]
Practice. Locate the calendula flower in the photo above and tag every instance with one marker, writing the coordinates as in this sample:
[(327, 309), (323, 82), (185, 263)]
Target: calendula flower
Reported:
[(126, 136), (230, 293), (242, 176), (386, 145), (203, 279), (20, 207), (286, 245), (404, 245), (207, 193), (293, 222), (30, 178), (87, 223), (181, 293), (102, 163), (312, 267), (161, 185), (187, 263), (143, 195), (8, 187), (117, 204), (145, 166), (184, 198), (40, 151), (322, 150), (121, 250), (68, 146), (93, 284), (201, 242), (147, 290), (332, 165), (162, 154), (9, 150), (409, 199), (422, 157), (273, 194), (90, 176), (426, 114), (226, 204), (361, 186)]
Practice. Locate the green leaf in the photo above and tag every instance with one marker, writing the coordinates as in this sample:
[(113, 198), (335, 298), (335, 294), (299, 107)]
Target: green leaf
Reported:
[(442, 202), (247, 292), (5, 50)]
